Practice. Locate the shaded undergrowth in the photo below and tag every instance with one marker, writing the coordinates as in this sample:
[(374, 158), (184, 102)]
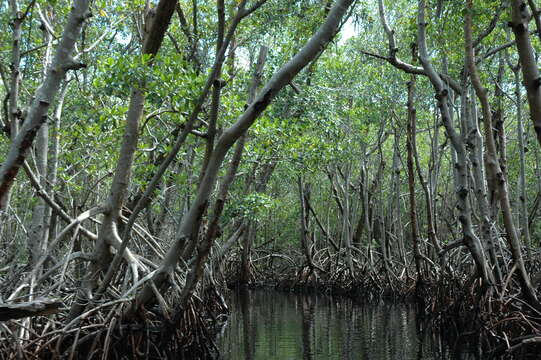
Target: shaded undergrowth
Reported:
[(495, 321)]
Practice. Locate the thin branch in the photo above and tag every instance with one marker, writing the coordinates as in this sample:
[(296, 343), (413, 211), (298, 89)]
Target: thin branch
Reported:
[(490, 26), (256, 6)]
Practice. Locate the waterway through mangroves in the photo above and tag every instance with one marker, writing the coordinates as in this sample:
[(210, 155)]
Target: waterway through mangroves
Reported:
[(267, 325)]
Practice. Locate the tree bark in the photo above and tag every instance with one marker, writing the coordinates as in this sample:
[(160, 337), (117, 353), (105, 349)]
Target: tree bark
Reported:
[(146, 197), (411, 130), (520, 17), (45, 94), (108, 233), (470, 239), (493, 164), (475, 144), (39, 231), (14, 113), (248, 237), (523, 210), (196, 271), (306, 238), (395, 202), (535, 14), (29, 309), (280, 79)]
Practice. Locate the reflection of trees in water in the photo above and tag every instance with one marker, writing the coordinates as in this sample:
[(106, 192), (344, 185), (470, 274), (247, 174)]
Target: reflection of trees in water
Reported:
[(268, 325), (307, 320), (248, 327), (347, 329)]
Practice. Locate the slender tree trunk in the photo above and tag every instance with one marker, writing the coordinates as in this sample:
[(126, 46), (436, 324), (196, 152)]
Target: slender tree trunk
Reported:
[(279, 80), (52, 171), (196, 271), (382, 225), (411, 130), (470, 239), (212, 78), (366, 192), (108, 233), (346, 223), (45, 94), (493, 165), (14, 113), (216, 92), (396, 170), (435, 166), (535, 14), (498, 117), (523, 210), (39, 231), (334, 190), (430, 213), (306, 243), (249, 235), (168, 193), (520, 17), (359, 228), (476, 151)]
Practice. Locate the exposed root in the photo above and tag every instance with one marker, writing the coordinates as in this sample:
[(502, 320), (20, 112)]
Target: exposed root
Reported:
[(103, 333)]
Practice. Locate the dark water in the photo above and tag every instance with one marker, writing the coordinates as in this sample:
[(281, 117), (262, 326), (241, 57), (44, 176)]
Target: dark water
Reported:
[(270, 325)]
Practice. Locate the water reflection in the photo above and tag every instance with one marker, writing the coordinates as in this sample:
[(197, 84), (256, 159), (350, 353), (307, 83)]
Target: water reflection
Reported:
[(270, 325)]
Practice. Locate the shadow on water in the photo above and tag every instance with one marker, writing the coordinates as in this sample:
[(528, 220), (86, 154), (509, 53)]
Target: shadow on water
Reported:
[(271, 325)]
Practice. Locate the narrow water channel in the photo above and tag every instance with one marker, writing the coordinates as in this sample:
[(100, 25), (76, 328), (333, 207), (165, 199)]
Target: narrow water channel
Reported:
[(267, 325)]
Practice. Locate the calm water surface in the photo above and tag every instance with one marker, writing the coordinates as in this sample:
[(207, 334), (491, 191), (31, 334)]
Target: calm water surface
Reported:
[(270, 325)]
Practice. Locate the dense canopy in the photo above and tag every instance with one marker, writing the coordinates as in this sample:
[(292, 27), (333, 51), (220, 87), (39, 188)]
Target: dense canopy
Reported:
[(153, 152)]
